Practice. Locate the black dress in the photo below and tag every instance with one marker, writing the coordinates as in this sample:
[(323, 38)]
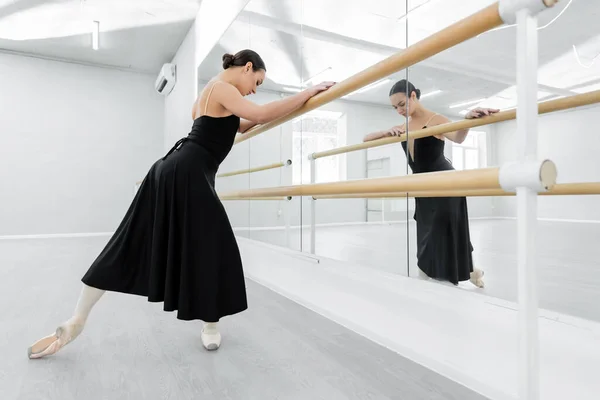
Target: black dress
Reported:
[(444, 249), (175, 244)]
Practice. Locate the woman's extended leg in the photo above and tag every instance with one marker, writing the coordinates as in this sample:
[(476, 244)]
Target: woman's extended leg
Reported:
[(70, 329), (477, 278), (211, 337)]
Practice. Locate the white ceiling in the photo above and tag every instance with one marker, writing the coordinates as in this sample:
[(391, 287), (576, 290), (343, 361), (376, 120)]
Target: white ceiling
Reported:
[(139, 35), (301, 38)]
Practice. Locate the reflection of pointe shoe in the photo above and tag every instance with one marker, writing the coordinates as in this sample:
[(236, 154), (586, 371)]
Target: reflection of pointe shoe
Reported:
[(211, 340), (477, 278), (51, 344)]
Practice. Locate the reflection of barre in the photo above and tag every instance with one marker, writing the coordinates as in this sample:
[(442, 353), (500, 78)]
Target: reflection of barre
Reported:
[(543, 108), (228, 197), (563, 189), (535, 175), (480, 22), (256, 169)]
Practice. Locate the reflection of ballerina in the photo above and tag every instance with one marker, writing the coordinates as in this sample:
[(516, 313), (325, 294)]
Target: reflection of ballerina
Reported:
[(444, 249), (175, 244)]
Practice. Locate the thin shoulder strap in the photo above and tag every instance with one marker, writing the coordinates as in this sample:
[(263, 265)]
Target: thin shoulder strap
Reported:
[(208, 97), (429, 120)]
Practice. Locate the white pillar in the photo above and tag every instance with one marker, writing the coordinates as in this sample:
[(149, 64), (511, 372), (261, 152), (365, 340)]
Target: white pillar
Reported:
[(287, 215), (313, 207), (527, 114)]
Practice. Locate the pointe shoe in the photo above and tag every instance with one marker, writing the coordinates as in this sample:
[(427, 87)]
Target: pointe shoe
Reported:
[(51, 344), (212, 340), (477, 278)]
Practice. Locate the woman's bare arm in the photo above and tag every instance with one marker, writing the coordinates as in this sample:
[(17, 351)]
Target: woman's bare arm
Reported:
[(231, 99), (245, 125), (375, 136), (460, 135), (393, 131)]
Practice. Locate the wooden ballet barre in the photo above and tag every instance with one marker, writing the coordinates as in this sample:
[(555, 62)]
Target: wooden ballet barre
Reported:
[(476, 179), (564, 189), (467, 28), (256, 169), (545, 107), (227, 197)]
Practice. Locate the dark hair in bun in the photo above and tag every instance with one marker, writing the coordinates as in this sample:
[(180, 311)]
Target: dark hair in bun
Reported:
[(227, 60), (404, 86), (243, 57)]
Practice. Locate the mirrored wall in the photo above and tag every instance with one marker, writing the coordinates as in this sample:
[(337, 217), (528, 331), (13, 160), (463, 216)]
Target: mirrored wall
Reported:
[(444, 236)]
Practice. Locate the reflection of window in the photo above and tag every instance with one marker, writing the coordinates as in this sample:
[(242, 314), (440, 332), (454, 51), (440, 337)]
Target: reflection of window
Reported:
[(470, 154), (314, 132)]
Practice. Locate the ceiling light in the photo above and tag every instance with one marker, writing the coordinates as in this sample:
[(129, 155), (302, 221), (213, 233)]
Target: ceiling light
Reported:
[(96, 35), (466, 103), (430, 93)]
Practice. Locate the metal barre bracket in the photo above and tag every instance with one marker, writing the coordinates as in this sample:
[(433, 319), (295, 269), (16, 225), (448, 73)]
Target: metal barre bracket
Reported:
[(535, 175), (508, 9)]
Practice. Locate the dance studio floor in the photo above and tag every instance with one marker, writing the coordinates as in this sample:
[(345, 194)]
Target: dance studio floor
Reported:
[(568, 257), (131, 349)]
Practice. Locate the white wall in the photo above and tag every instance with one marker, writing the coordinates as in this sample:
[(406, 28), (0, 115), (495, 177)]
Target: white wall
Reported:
[(569, 139), (73, 141)]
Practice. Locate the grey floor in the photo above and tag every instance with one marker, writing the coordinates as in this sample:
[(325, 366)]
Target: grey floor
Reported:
[(568, 257), (131, 349)]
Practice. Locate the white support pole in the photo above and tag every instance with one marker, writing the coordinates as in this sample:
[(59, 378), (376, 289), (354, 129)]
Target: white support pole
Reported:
[(313, 207), (287, 215), (527, 114), (287, 172)]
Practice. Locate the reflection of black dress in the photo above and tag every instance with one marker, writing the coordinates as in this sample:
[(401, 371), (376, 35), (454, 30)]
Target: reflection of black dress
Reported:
[(443, 241), (175, 244)]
